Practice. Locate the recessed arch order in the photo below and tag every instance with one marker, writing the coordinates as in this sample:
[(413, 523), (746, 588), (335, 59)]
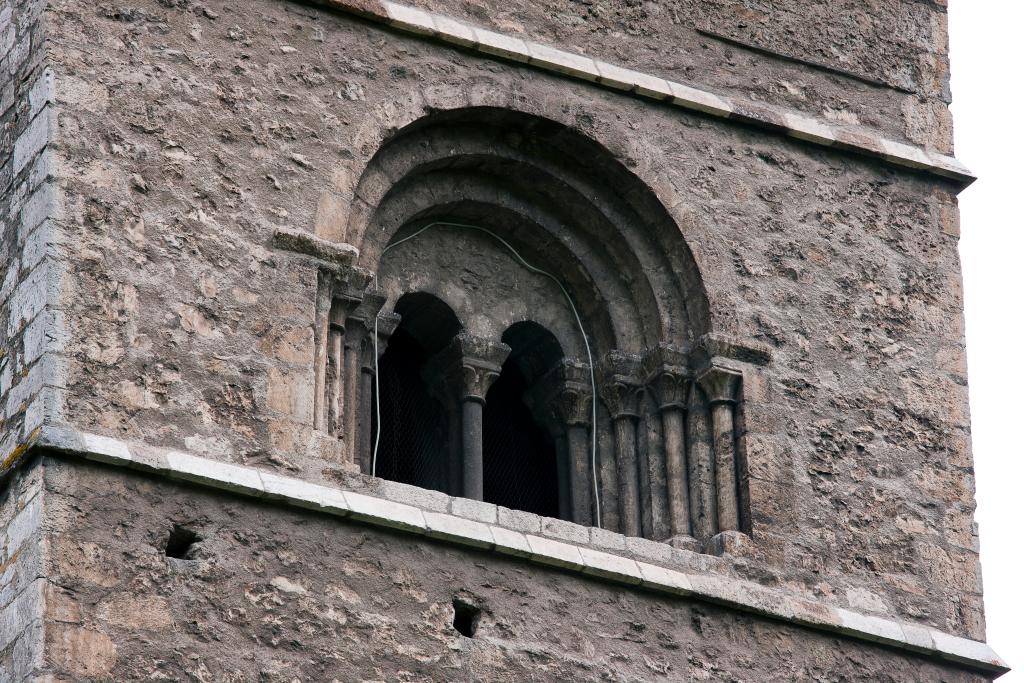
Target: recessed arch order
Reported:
[(559, 198)]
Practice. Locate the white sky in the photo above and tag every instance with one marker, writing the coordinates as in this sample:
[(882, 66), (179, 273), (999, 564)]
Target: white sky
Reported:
[(988, 76)]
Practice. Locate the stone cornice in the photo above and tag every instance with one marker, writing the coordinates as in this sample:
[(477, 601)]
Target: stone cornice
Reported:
[(789, 122), (335, 254), (479, 527)]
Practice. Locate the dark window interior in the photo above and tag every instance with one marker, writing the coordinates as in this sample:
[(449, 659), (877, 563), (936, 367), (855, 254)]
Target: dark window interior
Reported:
[(519, 456), (414, 425), (520, 461)]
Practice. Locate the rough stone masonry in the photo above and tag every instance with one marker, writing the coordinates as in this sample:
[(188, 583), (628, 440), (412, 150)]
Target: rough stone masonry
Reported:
[(741, 333)]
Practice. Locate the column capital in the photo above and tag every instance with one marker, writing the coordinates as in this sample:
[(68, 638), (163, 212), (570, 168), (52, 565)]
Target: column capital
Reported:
[(563, 395), (668, 375), (620, 384), (386, 323), (349, 302), (359, 314), (468, 366), (367, 307), (720, 384)]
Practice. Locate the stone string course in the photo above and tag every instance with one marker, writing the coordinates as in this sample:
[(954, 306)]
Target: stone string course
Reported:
[(532, 538), (789, 122)]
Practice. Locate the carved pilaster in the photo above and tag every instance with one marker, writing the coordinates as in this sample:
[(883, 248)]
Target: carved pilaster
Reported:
[(365, 308), (721, 386), (340, 291), (386, 324), (338, 398), (669, 378), (621, 390)]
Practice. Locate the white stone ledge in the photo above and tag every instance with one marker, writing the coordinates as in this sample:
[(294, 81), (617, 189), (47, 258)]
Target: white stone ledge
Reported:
[(790, 122), (573, 557)]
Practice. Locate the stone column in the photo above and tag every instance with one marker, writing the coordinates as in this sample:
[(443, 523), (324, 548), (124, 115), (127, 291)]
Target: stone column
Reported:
[(563, 467), (561, 400), (620, 390), (336, 281), (573, 408), (468, 367), (453, 410), (576, 415), (669, 379), (721, 385), (321, 334), (700, 467), (386, 324), (356, 337), (335, 369), (338, 373)]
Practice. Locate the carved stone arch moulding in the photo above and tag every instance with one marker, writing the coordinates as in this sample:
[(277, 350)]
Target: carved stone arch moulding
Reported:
[(389, 117)]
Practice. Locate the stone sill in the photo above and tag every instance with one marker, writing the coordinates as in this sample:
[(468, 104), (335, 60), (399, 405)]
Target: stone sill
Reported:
[(529, 537), (859, 140)]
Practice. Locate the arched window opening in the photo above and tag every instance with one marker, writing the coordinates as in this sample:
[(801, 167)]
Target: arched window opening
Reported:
[(638, 430), (414, 435), (520, 465)]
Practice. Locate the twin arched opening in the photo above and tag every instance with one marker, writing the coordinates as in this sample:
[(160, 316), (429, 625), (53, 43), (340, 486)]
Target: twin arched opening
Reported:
[(420, 441), (518, 265)]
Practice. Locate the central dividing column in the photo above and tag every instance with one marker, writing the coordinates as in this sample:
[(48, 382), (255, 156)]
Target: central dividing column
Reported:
[(467, 368), (620, 390)]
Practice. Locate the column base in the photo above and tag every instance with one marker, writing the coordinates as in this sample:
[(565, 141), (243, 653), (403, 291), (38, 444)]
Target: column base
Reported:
[(728, 543), (684, 542), (331, 449)]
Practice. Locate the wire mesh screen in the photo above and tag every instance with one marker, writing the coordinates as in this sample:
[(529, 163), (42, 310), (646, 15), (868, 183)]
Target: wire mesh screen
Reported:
[(414, 426), (520, 469)]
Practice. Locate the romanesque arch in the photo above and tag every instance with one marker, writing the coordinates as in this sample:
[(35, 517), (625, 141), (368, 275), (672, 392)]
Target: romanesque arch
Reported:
[(524, 230)]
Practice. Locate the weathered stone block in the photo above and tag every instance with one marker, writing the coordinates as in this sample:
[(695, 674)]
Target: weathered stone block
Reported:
[(209, 472), (874, 627), (501, 45), (610, 566), (475, 509), (385, 512), (304, 494), (566, 531), (409, 18), (562, 62), (555, 553), (32, 141), (603, 538), (665, 580), (458, 530), (424, 499), (645, 549), (510, 542), (526, 522)]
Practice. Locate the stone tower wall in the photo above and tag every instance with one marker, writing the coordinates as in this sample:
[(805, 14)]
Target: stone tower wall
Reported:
[(186, 137)]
